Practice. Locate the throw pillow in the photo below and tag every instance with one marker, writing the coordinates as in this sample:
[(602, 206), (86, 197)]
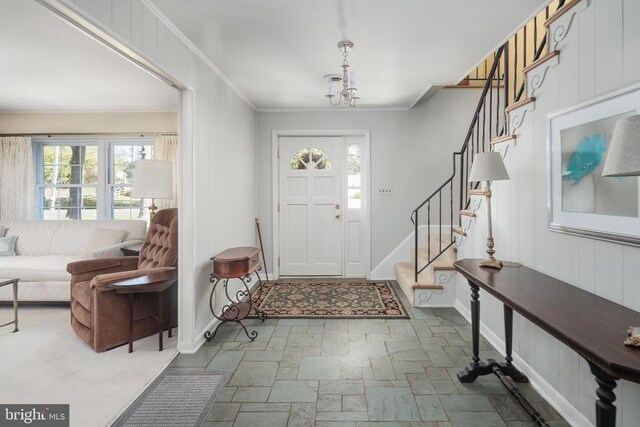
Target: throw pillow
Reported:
[(8, 245), (2, 229), (103, 237)]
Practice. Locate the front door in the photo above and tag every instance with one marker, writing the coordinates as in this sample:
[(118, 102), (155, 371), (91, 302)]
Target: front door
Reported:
[(310, 206)]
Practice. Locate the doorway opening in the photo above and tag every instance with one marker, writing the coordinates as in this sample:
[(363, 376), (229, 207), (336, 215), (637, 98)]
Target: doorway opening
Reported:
[(321, 203)]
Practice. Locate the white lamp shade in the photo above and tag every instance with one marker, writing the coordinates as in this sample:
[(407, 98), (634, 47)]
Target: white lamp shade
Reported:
[(488, 166), (623, 158), (152, 179)]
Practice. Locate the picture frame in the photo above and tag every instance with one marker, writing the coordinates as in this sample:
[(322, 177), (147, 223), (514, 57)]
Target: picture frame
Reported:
[(581, 201)]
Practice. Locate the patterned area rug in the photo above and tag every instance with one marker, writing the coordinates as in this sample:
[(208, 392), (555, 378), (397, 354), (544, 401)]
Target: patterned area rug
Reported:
[(329, 300), (177, 398)]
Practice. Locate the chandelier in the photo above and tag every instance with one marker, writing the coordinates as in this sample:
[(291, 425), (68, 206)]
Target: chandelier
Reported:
[(348, 93)]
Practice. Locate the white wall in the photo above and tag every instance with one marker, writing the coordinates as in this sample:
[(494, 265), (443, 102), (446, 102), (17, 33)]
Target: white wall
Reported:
[(600, 54), (411, 153), (93, 122), (222, 164)]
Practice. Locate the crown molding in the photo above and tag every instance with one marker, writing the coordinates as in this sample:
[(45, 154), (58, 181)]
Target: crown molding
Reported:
[(332, 110), (171, 26), (87, 111)]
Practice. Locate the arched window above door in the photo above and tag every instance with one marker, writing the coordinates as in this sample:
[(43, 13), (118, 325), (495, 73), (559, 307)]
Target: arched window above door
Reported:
[(310, 158)]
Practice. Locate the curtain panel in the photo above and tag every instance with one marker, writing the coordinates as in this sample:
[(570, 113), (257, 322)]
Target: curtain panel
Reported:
[(166, 148), (17, 179)]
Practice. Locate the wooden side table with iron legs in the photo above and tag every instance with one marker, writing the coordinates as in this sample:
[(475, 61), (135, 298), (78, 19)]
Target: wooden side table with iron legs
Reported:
[(235, 263)]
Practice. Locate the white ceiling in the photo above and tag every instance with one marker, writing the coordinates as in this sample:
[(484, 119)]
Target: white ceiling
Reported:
[(276, 51), (49, 65)]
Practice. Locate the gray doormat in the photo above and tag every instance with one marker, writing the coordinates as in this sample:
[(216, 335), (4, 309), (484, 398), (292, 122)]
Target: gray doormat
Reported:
[(178, 397)]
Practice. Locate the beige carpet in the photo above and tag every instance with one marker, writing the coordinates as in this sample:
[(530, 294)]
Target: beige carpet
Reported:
[(45, 362)]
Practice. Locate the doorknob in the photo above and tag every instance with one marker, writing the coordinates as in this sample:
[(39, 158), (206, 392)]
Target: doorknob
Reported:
[(337, 206), (338, 216)]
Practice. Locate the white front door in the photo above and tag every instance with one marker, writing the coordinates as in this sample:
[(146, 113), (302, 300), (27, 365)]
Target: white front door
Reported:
[(311, 189)]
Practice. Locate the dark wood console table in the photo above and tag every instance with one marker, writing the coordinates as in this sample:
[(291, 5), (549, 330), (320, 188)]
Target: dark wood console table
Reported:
[(235, 263), (592, 326)]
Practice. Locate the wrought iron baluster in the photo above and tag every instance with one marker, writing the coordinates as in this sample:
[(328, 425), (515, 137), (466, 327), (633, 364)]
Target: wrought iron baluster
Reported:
[(515, 65), (535, 31), (428, 234), (490, 80), (506, 84), (440, 222), (497, 102), (415, 235), (484, 125), (524, 47), (451, 210)]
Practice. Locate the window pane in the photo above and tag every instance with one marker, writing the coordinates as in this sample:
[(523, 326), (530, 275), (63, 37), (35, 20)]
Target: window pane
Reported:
[(90, 170), (124, 158), (310, 158), (354, 198), (353, 165), (126, 207), (69, 203)]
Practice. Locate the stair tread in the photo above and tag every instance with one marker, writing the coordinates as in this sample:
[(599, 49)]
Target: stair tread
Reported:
[(504, 138), (519, 104), (566, 8), (426, 286), (540, 61), (467, 212), (438, 263), (477, 193), (459, 231), (406, 269)]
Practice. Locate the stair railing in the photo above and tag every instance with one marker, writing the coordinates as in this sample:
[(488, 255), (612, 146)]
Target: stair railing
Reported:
[(488, 113), (489, 121)]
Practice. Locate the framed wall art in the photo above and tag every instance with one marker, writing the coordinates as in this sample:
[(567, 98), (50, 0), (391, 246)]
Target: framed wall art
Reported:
[(581, 200)]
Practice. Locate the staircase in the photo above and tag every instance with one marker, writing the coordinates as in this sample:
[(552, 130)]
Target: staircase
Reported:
[(509, 78)]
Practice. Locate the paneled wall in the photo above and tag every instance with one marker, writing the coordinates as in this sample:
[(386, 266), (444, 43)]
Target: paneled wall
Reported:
[(600, 54), (223, 158)]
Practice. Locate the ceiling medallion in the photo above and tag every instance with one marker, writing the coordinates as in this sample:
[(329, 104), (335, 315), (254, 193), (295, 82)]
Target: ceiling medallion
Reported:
[(348, 93)]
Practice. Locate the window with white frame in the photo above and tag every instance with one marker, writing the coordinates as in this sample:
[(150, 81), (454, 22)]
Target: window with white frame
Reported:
[(89, 178)]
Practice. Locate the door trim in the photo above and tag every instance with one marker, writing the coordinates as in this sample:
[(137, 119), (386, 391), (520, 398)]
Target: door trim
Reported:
[(275, 191)]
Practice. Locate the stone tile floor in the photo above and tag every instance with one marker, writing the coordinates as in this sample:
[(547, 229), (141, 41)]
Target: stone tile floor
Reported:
[(358, 373)]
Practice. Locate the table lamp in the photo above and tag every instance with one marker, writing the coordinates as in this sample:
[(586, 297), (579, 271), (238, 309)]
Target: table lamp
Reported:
[(488, 167), (623, 158), (152, 179)]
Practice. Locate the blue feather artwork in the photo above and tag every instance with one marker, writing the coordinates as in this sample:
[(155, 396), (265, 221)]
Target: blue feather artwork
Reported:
[(586, 157)]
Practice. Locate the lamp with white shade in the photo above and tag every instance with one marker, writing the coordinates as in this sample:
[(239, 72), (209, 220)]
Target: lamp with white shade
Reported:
[(623, 158), (152, 179), (488, 167)]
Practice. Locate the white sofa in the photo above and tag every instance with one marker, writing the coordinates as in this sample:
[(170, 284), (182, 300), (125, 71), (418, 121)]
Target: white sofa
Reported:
[(44, 248)]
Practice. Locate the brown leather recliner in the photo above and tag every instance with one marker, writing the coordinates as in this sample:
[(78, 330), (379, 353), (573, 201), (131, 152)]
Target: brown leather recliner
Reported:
[(99, 315)]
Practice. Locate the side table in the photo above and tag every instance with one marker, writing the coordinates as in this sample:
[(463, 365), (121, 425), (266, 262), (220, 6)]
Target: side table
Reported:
[(13, 282), (235, 263), (137, 286)]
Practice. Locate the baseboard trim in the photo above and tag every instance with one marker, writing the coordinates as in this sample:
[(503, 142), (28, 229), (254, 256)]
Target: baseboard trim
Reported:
[(191, 347), (539, 384)]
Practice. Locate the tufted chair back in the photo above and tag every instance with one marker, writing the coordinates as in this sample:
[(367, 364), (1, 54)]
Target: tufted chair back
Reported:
[(160, 248)]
